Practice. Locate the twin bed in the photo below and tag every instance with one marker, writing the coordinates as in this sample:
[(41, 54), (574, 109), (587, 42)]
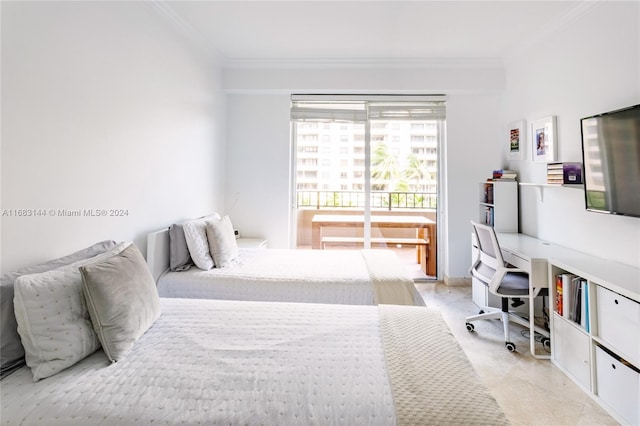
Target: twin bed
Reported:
[(358, 277), (204, 361), (267, 363)]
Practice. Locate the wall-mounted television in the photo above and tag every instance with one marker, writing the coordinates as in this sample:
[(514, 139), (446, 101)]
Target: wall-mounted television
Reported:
[(611, 159)]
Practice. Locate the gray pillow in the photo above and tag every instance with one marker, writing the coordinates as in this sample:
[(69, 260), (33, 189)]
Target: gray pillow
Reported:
[(179, 257), (11, 350), (122, 300)]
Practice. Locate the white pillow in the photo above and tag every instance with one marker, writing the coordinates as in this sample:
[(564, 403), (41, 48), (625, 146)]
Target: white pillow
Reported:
[(11, 350), (53, 320), (196, 235), (222, 241)]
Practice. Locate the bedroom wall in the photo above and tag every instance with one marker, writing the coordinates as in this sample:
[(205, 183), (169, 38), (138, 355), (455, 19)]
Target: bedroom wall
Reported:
[(104, 106), (259, 136), (258, 169), (589, 66)]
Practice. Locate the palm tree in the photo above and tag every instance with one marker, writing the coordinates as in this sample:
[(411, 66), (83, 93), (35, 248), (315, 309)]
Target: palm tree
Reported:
[(384, 168), (415, 171)]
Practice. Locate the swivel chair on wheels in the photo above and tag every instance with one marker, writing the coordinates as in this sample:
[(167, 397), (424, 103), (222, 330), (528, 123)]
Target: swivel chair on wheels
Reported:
[(505, 281)]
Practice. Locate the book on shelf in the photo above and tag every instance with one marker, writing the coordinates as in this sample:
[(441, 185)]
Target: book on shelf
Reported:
[(581, 310), (584, 309), (572, 299), (488, 216), (576, 292), (581, 303), (567, 295), (488, 194), (508, 175), (554, 173), (558, 299)]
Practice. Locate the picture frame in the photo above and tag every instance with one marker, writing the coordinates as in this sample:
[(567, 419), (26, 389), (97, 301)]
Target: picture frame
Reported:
[(544, 143), (516, 140)]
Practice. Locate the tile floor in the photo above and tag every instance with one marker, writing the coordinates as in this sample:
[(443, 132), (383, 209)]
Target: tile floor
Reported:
[(530, 391)]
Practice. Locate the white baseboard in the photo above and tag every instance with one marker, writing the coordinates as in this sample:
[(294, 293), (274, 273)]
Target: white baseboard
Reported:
[(457, 281)]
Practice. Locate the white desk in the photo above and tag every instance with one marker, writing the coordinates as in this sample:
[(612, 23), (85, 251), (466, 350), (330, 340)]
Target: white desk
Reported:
[(534, 256), (529, 254)]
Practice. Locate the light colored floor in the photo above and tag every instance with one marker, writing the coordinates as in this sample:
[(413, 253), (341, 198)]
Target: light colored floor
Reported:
[(530, 391)]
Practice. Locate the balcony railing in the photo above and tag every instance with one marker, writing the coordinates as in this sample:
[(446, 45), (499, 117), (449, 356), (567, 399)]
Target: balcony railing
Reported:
[(355, 199)]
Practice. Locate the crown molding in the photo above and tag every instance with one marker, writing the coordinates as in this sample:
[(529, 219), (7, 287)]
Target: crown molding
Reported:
[(554, 27), (383, 63), (195, 37)]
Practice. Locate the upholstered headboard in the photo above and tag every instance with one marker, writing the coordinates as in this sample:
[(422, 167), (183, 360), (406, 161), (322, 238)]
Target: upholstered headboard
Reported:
[(158, 252)]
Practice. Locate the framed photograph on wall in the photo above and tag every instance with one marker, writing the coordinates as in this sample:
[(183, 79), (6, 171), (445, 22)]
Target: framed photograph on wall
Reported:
[(543, 139), (517, 140)]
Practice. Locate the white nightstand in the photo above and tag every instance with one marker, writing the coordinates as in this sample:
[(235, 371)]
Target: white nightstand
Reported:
[(260, 243)]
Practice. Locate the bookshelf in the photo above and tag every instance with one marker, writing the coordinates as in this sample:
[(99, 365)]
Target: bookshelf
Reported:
[(594, 338), (498, 205)]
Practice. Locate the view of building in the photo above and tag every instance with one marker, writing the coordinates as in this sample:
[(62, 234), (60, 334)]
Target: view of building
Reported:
[(330, 157)]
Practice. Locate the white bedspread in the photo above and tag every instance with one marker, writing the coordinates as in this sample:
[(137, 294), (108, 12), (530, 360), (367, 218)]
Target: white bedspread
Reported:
[(320, 276), (227, 362), (223, 362)]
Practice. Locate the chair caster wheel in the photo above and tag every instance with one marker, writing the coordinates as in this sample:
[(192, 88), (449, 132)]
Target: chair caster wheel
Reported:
[(470, 326), (546, 343), (480, 312), (510, 346)]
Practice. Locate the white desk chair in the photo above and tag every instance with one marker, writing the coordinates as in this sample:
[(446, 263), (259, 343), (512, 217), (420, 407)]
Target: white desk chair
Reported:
[(504, 281)]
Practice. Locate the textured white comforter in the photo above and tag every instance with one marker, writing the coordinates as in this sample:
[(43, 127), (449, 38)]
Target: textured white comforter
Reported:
[(223, 362), (320, 276), (259, 363)]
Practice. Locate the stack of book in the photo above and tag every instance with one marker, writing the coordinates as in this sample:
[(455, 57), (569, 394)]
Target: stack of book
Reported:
[(572, 299), (564, 173), (504, 175)]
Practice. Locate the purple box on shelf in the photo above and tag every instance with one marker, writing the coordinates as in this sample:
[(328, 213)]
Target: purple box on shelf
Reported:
[(572, 173)]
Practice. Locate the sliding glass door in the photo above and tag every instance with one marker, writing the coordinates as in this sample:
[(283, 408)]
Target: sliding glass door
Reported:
[(365, 172)]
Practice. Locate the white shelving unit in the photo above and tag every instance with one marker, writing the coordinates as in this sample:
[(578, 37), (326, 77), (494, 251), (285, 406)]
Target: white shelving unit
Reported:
[(498, 205), (602, 355)]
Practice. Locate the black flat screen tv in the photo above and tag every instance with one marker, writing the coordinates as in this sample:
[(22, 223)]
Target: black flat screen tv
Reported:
[(611, 159)]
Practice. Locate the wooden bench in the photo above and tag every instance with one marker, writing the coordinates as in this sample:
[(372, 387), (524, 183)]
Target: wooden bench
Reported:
[(374, 240), (421, 243)]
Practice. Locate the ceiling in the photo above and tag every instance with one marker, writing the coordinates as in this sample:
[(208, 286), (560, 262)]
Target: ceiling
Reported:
[(368, 30)]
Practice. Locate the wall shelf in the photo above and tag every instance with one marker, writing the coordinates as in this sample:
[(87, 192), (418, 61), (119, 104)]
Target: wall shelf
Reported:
[(541, 186)]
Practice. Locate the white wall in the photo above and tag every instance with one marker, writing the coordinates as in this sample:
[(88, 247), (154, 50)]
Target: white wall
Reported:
[(104, 106), (439, 77), (259, 137), (473, 127), (258, 166), (591, 66)]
